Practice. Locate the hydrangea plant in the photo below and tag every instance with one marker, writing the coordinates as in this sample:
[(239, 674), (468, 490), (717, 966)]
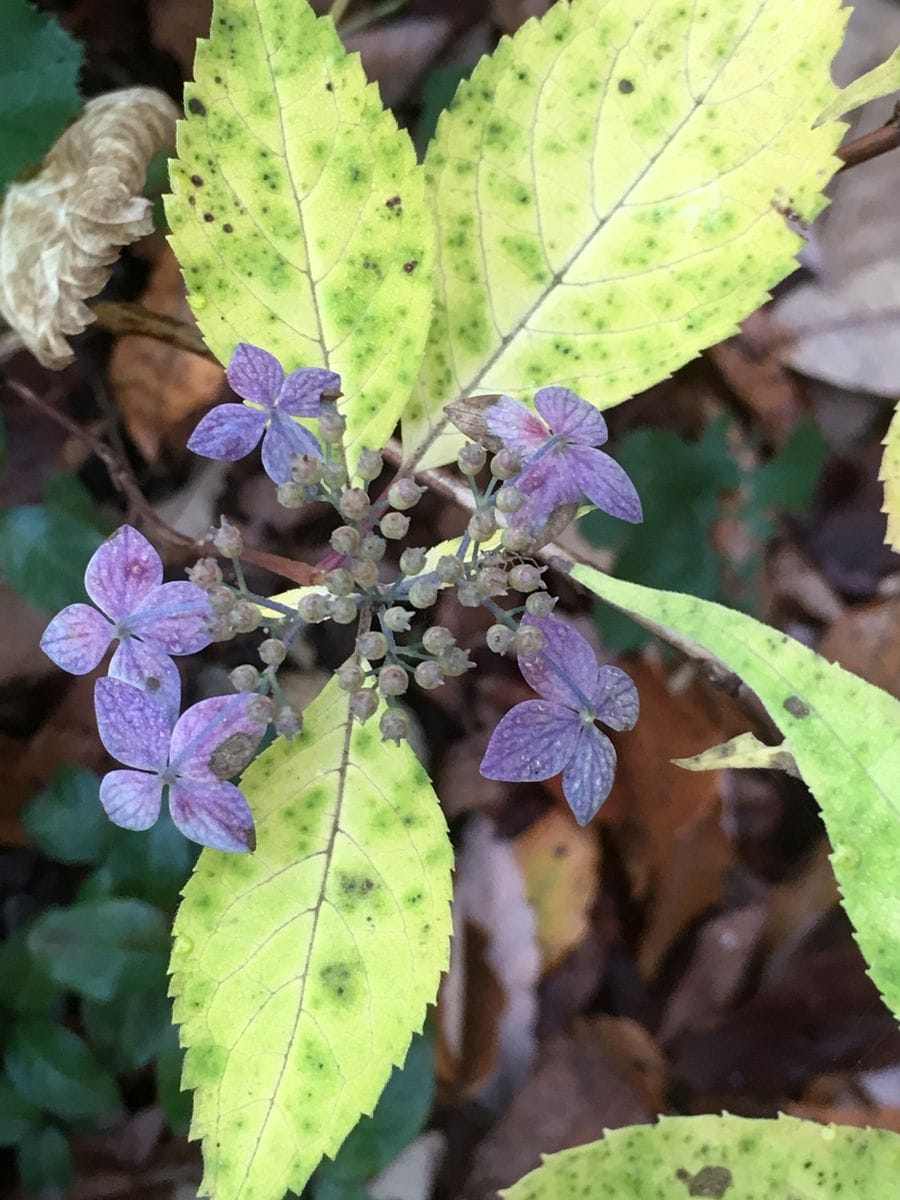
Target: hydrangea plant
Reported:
[(606, 196)]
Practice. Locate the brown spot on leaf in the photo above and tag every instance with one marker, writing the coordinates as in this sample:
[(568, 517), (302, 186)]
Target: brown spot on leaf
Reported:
[(197, 180), (196, 106), (712, 1182), (208, 217), (410, 266), (329, 86), (393, 202), (795, 706), (227, 228), (626, 87)]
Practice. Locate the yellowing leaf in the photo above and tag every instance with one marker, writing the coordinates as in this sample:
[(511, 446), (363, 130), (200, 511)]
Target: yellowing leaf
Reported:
[(608, 190), (745, 750), (890, 477), (298, 211), (727, 1158), (880, 81), (843, 733), (301, 971)]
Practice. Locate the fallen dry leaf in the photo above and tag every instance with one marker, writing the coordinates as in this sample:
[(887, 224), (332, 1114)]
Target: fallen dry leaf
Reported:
[(797, 904), (741, 752), (510, 14), (61, 230), (866, 640), (397, 55)]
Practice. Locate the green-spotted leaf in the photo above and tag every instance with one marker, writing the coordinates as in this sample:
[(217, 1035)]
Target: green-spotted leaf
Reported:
[(301, 971), (608, 190), (881, 81), (843, 733), (726, 1158), (298, 212)]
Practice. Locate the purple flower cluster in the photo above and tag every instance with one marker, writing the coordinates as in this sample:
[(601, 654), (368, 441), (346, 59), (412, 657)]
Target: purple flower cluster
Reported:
[(561, 462), (272, 401), (556, 734), (137, 705)]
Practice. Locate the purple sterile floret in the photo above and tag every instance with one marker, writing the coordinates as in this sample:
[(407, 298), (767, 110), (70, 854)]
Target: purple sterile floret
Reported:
[(562, 462), (556, 734), (150, 619), (271, 402), (136, 731)]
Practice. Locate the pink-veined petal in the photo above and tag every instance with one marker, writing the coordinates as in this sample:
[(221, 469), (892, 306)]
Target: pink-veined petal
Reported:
[(202, 730), (255, 374), (131, 799), (133, 726), (521, 429), (228, 432), (77, 638), (282, 440), (605, 483), (301, 395), (152, 671), (175, 618), (589, 776), (213, 814), (533, 741), (547, 485), (567, 413), (566, 669), (122, 571), (616, 699)]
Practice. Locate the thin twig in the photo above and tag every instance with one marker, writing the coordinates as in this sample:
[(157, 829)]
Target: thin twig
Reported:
[(871, 145), (122, 318)]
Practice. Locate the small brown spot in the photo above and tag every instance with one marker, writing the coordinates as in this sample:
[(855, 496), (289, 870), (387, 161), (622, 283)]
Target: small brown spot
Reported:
[(192, 199), (329, 86), (626, 87), (227, 228), (234, 754), (795, 706), (217, 78), (197, 180), (208, 217), (393, 202), (712, 1182), (197, 106), (410, 266)]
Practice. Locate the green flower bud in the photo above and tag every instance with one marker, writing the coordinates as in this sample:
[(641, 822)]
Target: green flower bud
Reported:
[(471, 458), (364, 572), (372, 547), (397, 619), (449, 569), (394, 525), (314, 608), (510, 499), (363, 705), (332, 426), (394, 726), (506, 464), (339, 582), (227, 539), (369, 465), (350, 677), (404, 493), (492, 581), (259, 710), (334, 473), (540, 604), (428, 675), (344, 610), (393, 680), (372, 645), (222, 599), (290, 495), (345, 539), (306, 470), (455, 661), (437, 639), (354, 504), (516, 540), (468, 595), (525, 577), (272, 652), (412, 560), (244, 678), (423, 593), (500, 638), (245, 617), (529, 641), (482, 524)]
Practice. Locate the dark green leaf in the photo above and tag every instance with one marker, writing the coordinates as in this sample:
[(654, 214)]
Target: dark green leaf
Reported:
[(55, 1070), (439, 89), (377, 1140), (45, 1163), (175, 1103), (66, 820), (103, 947), (17, 1115), (25, 987), (38, 86), (43, 553), (154, 866), (126, 1032), (66, 493)]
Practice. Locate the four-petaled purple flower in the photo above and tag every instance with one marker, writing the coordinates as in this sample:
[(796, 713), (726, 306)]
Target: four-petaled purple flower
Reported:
[(188, 760), (561, 462), (272, 401), (150, 619), (541, 738)]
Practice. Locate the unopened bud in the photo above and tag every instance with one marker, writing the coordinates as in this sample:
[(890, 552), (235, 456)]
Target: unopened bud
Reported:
[(345, 539), (288, 723), (412, 560), (227, 539), (437, 639), (372, 547), (349, 677), (506, 464), (500, 638), (363, 705), (272, 651), (334, 473), (529, 641), (423, 593), (397, 619), (306, 469), (429, 675), (468, 595), (525, 577), (364, 572), (540, 604), (354, 504), (449, 569), (245, 617), (393, 680), (404, 493), (259, 710), (244, 678), (339, 582), (482, 524), (344, 610), (471, 458), (219, 629), (314, 608), (492, 581), (205, 573), (518, 540), (372, 645), (510, 499), (394, 726), (332, 426), (369, 465), (290, 495), (394, 525), (455, 661), (222, 599)]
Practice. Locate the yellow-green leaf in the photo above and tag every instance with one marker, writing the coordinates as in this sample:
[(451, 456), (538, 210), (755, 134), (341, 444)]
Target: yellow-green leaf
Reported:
[(298, 211), (609, 191), (843, 733), (724, 1157), (890, 477), (745, 750), (301, 971), (880, 81)]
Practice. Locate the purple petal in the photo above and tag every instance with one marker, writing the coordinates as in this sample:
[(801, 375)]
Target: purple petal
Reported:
[(547, 484), (228, 432), (567, 413), (520, 429), (616, 699), (283, 439), (301, 395), (133, 726), (122, 571), (255, 374), (132, 799), (77, 638), (589, 776), (175, 618), (605, 483), (202, 730), (213, 814), (152, 671), (533, 741), (566, 669)]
